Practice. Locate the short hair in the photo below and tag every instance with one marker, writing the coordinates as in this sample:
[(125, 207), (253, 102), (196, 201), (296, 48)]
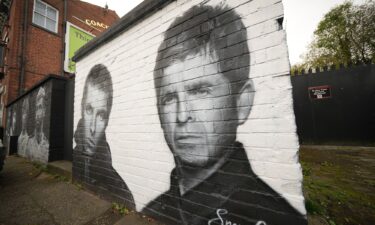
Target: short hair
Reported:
[(100, 78), (215, 30)]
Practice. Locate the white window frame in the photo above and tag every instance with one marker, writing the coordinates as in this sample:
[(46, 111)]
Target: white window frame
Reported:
[(45, 16)]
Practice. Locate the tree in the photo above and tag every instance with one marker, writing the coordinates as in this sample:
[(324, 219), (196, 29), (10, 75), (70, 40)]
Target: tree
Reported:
[(346, 35)]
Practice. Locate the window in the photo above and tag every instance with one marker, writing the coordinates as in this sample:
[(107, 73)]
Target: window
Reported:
[(45, 16)]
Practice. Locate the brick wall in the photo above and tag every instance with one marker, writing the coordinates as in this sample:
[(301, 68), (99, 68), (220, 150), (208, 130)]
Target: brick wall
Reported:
[(80, 11), (43, 49), (10, 81), (159, 154)]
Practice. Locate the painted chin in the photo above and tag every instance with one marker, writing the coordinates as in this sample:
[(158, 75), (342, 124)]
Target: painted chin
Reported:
[(89, 147), (189, 159), (88, 152), (191, 150)]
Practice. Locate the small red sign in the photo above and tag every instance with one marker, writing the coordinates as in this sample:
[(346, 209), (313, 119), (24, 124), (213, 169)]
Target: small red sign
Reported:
[(320, 92)]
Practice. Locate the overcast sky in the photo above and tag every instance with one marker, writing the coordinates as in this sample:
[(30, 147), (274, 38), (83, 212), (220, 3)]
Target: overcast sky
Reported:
[(301, 19)]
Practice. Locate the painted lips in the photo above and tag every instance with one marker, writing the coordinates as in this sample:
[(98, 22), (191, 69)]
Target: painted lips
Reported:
[(188, 139)]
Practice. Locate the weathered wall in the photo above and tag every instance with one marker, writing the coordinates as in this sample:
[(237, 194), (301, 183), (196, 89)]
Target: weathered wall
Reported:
[(37, 119), (188, 114)]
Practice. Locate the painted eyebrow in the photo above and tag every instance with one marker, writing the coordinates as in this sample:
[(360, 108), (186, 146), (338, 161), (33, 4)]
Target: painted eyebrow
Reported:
[(199, 84), (167, 90)]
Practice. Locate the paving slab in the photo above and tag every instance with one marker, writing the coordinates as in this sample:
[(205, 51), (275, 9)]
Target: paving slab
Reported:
[(63, 168), (136, 219), (29, 196)]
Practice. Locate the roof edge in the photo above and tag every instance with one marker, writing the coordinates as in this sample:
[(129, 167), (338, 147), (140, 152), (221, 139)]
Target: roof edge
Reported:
[(37, 85), (140, 12)]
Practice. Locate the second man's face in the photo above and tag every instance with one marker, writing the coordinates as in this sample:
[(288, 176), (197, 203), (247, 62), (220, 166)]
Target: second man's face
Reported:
[(25, 110), (95, 117), (40, 111), (197, 111)]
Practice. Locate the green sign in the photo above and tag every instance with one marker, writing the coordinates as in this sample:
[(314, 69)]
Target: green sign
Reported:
[(75, 38)]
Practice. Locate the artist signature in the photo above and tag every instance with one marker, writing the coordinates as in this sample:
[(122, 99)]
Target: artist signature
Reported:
[(222, 212)]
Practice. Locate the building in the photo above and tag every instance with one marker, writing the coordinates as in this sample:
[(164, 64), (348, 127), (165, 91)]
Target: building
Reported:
[(193, 102), (34, 40)]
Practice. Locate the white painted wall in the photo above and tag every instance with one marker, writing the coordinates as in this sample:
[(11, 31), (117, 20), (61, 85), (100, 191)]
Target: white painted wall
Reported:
[(139, 152)]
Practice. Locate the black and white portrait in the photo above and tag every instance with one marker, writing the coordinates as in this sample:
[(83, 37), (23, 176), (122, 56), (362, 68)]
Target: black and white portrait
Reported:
[(8, 122), (9, 127), (92, 152), (203, 94), (38, 142), (13, 128), (201, 124), (23, 138)]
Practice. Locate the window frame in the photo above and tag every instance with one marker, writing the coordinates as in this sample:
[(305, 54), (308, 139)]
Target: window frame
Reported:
[(45, 16)]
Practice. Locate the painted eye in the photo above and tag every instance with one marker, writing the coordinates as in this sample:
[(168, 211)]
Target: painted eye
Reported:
[(101, 116), (88, 110), (168, 99)]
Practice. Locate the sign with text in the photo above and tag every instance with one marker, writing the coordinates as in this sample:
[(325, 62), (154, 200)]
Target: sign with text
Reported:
[(75, 38), (320, 92), (96, 23)]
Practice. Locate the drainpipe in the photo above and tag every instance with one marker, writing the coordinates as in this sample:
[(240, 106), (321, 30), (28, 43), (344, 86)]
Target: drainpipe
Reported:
[(21, 84), (63, 37)]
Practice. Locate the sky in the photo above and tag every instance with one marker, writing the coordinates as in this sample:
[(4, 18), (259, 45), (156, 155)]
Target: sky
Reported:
[(301, 18)]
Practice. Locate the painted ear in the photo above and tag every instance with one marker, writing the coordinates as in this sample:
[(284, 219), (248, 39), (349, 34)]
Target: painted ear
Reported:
[(245, 101)]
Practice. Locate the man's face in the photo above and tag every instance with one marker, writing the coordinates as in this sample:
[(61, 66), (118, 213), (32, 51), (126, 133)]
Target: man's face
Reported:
[(39, 114), (14, 122), (95, 115), (24, 113), (197, 111)]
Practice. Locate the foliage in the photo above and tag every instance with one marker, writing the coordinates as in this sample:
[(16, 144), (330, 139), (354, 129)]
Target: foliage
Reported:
[(344, 36), (41, 167), (297, 68), (121, 209), (338, 187), (61, 178)]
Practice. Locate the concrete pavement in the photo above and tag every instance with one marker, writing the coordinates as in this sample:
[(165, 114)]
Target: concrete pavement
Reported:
[(29, 195)]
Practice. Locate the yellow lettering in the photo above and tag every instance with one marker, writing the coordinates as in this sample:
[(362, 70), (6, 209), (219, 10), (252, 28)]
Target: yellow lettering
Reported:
[(96, 24)]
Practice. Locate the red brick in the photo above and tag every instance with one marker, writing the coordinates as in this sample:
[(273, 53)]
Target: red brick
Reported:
[(44, 49)]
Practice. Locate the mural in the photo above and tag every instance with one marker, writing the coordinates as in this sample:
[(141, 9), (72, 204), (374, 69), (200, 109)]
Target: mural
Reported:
[(29, 120), (199, 112), (8, 129), (39, 142), (13, 128), (92, 152), (192, 116), (23, 139)]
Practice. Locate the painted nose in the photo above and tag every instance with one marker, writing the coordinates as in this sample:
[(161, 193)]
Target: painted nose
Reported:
[(183, 113), (93, 126)]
